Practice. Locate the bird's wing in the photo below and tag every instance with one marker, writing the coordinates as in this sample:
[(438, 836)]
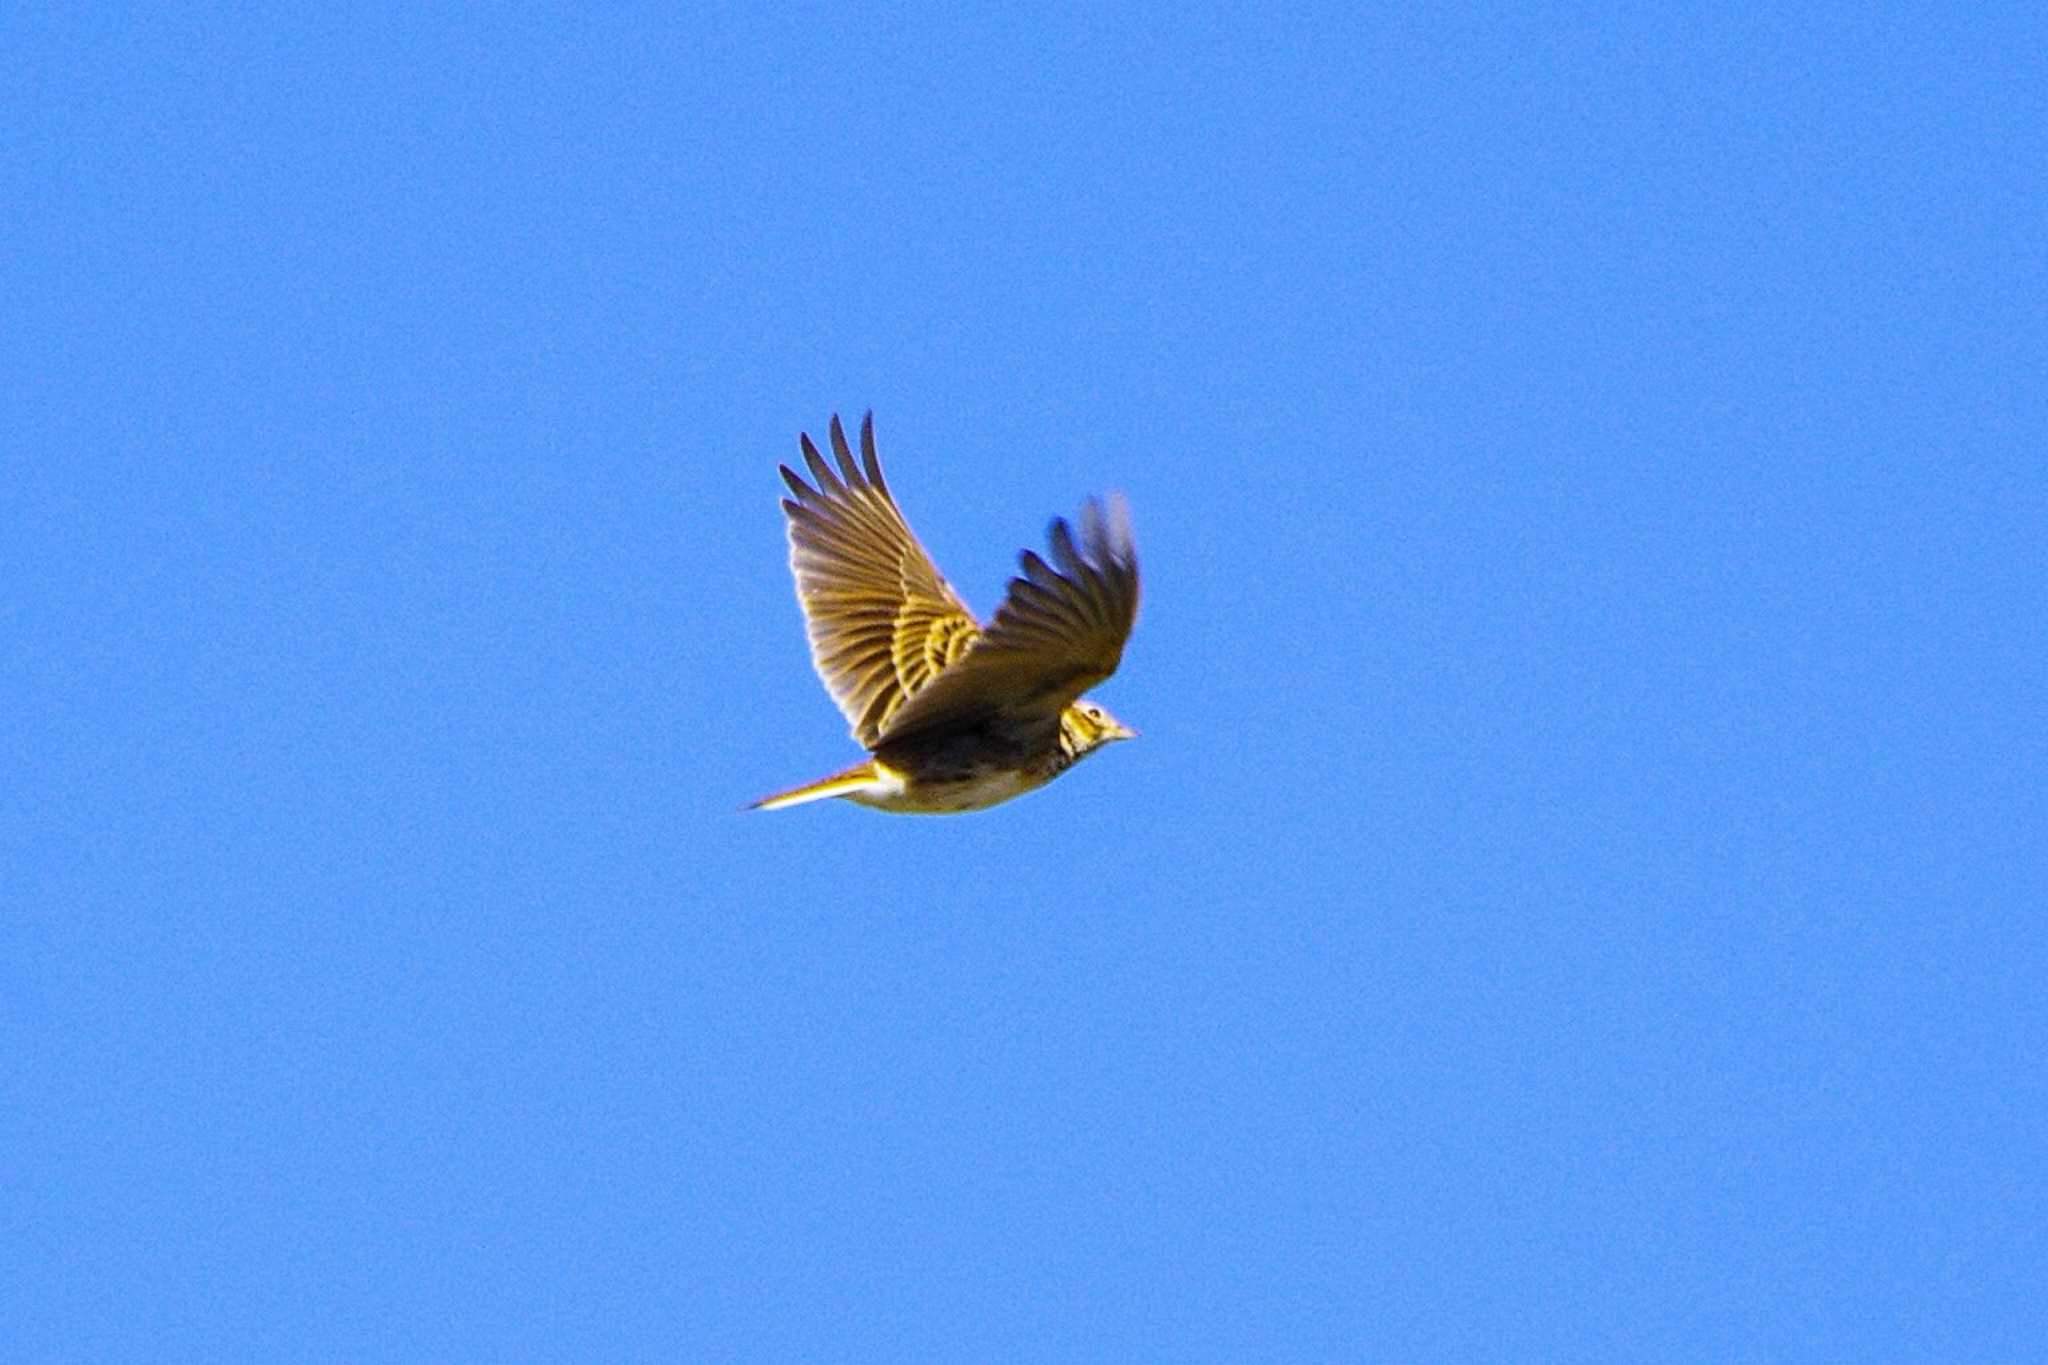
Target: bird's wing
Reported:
[(1061, 630), (882, 619)]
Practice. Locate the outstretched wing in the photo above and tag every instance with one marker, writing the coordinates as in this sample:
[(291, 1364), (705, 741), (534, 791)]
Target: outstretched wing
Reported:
[(882, 619), (1061, 630)]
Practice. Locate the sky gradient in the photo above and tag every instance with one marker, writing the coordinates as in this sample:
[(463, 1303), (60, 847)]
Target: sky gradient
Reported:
[(1578, 892)]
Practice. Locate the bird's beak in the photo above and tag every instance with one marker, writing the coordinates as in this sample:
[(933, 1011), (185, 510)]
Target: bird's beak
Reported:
[(1123, 731)]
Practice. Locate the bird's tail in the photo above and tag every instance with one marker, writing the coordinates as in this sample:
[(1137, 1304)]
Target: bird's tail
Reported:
[(857, 778)]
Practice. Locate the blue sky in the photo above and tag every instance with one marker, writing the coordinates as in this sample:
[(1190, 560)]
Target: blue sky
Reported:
[(1578, 894)]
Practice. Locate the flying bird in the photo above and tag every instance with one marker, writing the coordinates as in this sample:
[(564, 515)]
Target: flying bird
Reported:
[(955, 716)]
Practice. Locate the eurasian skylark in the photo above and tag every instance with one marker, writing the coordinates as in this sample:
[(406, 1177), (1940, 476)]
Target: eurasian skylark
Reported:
[(955, 716)]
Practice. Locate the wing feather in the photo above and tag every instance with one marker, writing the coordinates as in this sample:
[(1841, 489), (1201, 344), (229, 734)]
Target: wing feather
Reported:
[(882, 620), (1059, 631)]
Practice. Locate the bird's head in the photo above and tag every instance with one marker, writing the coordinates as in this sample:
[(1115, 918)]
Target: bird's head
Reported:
[(1089, 726)]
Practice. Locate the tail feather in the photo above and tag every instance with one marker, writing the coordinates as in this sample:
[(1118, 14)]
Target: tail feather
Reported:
[(857, 778)]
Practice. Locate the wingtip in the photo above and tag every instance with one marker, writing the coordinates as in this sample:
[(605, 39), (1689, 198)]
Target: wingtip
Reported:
[(847, 468), (871, 463), (1060, 536), (1114, 513), (828, 482)]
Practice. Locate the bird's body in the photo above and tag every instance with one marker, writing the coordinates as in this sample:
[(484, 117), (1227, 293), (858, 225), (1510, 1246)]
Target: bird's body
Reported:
[(960, 770), (956, 717)]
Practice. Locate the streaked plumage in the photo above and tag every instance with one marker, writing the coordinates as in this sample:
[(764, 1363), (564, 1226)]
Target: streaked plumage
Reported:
[(955, 716)]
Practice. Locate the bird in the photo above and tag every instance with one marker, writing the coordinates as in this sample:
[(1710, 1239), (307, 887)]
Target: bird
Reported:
[(955, 715)]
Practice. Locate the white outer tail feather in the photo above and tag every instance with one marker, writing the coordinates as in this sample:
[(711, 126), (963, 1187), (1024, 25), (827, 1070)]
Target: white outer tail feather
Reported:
[(858, 779)]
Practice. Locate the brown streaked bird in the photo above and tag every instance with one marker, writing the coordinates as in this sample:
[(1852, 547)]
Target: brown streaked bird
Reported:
[(955, 716)]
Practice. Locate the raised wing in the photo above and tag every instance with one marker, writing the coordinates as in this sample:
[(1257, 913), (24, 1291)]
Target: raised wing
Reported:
[(1061, 630), (882, 619)]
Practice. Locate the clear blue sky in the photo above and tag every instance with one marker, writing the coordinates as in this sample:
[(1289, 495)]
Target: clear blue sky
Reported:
[(1579, 892)]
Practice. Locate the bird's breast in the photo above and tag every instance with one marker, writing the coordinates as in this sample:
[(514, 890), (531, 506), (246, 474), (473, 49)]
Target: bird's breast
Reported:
[(950, 794)]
